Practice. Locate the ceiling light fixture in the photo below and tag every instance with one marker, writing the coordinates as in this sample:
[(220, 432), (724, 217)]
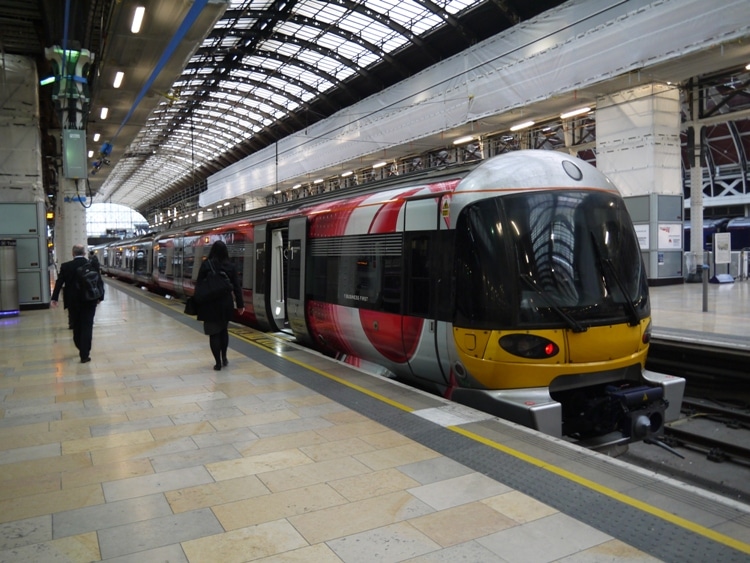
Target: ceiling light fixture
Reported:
[(462, 140), (523, 125), (137, 19), (104, 113), (118, 79), (347, 173), (379, 165), (97, 136), (575, 112)]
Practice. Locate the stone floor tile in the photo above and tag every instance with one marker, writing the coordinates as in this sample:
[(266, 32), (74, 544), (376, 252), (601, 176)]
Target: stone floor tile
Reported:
[(109, 515), (245, 544), (389, 544)]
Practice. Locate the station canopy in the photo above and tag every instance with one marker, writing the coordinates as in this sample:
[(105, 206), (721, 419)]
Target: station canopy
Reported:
[(270, 68)]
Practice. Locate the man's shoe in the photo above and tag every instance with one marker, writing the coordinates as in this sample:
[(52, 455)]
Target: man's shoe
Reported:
[(85, 360)]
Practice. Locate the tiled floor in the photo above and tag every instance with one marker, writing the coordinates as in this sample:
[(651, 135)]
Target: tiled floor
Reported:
[(147, 454)]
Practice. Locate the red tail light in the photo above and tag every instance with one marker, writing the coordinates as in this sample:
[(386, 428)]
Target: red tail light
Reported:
[(528, 346)]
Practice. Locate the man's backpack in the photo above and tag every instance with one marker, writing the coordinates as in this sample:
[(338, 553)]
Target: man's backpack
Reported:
[(89, 282)]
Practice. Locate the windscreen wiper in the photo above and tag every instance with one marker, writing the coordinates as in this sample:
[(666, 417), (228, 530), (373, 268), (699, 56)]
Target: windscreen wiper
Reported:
[(608, 267), (574, 325)]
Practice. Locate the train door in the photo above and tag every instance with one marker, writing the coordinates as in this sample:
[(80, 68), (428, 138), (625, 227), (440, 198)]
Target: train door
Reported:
[(296, 250), (269, 295), (425, 256)]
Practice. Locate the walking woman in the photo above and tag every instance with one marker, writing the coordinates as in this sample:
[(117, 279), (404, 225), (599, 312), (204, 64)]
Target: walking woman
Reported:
[(217, 314)]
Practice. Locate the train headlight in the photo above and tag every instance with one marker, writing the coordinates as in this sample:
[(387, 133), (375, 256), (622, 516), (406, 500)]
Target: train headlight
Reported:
[(528, 346)]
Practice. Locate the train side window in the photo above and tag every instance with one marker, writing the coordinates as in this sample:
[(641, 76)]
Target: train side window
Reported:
[(237, 257), (247, 266), (188, 258), (260, 267), (295, 269), (419, 275)]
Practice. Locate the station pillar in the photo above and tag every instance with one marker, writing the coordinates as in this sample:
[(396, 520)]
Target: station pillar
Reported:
[(71, 220), (638, 148)]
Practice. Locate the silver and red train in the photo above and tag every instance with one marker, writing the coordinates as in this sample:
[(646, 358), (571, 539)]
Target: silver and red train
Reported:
[(516, 287)]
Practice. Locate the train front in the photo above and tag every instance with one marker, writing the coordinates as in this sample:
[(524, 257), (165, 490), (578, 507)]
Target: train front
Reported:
[(552, 320)]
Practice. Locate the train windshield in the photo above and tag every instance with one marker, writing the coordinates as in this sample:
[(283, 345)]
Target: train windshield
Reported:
[(548, 259)]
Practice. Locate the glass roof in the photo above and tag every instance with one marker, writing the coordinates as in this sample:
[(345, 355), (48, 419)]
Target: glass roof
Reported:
[(262, 61)]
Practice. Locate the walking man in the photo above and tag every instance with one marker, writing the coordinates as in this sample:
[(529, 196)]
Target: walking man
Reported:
[(81, 307)]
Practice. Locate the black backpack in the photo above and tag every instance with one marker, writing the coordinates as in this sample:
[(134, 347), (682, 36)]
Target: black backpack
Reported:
[(89, 282)]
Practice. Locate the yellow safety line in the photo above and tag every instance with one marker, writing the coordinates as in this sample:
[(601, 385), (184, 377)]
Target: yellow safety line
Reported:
[(640, 505)]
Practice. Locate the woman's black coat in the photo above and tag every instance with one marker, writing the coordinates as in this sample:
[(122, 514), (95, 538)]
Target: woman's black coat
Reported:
[(221, 309)]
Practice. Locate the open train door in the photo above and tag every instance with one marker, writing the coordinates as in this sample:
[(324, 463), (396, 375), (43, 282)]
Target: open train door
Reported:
[(269, 295), (296, 251), (428, 256)]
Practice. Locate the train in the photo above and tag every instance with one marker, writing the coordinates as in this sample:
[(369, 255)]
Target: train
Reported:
[(515, 286)]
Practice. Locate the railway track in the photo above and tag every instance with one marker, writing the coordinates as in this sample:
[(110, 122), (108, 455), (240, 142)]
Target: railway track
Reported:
[(720, 432), (713, 433)]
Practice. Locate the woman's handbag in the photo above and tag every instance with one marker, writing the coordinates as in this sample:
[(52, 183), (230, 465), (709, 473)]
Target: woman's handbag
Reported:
[(191, 307), (214, 286)]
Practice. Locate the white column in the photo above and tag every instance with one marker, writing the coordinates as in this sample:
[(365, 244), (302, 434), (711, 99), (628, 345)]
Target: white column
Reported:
[(638, 148), (70, 224)]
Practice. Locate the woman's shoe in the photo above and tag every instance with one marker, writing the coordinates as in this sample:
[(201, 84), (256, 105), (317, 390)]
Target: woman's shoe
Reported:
[(217, 367), (224, 361)]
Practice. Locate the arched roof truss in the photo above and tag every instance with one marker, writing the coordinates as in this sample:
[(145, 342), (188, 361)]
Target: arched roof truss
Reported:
[(271, 68)]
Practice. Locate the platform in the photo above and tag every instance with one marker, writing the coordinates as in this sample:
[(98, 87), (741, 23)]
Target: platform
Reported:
[(678, 313), (147, 454)]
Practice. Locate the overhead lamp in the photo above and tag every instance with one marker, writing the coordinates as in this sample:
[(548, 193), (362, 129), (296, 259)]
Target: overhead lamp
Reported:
[(296, 186), (347, 173), (135, 27), (523, 125), (462, 140), (379, 165), (318, 181), (574, 112), (104, 113), (747, 67), (119, 75), (91, 154), (97, 136)]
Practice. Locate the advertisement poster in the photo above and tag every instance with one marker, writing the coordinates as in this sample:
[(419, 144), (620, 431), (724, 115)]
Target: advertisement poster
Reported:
[(670, 236)]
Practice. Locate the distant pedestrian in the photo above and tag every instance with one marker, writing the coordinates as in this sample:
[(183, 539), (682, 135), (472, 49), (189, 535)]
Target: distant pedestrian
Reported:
[(80, 309), (216, 314)]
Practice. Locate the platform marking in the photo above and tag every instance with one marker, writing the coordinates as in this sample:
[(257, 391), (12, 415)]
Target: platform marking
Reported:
[(262, 340)]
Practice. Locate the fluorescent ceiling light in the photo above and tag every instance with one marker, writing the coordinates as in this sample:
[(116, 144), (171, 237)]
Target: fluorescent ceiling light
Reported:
[(318, 181), (347, 173), (523, 125), (296, 186), (137, 19), (97, 136), (575, 112), (118, 79), (91, 153), (379, 165), (462, 140), (104, 113)]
